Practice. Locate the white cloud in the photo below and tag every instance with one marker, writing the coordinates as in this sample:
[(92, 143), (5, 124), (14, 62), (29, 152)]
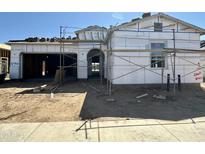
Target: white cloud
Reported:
[(118, 16)]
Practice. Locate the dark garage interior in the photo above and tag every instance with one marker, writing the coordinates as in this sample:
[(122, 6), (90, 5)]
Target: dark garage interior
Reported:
[(45, 65)]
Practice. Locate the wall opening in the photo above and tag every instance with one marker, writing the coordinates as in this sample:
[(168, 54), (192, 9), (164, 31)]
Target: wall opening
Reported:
[(95, 58), (45, 65)]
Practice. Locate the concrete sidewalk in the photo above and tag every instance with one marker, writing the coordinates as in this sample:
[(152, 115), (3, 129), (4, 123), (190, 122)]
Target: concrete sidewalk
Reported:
[(121, 130)]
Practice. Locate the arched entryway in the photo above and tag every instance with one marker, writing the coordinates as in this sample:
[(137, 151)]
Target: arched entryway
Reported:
[(95, 59)]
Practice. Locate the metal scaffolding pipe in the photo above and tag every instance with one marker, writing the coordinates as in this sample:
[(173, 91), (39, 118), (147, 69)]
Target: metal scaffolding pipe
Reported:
[(174, 69)]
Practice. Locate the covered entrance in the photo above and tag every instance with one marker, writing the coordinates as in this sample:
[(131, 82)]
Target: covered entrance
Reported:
[(95, 58)]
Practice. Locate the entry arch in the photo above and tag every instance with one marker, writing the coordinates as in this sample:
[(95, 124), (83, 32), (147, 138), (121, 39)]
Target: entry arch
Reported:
[(95, 61)]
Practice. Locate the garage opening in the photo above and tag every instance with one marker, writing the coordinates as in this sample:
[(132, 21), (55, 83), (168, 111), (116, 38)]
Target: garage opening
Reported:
[(95, 58), (45, 65)]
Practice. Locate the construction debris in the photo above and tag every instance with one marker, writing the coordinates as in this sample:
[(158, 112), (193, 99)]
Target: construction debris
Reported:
[(39, 89), (52, 95), (159, 97), (202, 85), (110, 100), (139, 101), (59, 76), (140, 96)]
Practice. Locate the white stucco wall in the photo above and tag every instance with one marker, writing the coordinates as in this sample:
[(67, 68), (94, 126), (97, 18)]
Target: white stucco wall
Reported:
[(150, 75), (124, 41), (80, 49), (142, 40), (92, 35)]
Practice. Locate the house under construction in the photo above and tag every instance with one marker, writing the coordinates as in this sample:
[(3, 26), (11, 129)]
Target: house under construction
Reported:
[(5, 51), (145, 50)]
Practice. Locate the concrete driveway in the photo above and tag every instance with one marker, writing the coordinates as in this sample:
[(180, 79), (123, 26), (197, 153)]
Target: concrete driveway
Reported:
[(100, 131)]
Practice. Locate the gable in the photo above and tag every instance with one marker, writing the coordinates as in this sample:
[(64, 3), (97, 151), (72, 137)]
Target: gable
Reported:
[(168, 22), (91, 28)]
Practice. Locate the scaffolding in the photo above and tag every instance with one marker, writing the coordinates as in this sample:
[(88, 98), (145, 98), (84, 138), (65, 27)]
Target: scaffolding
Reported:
[(169, 52), (62, 40)]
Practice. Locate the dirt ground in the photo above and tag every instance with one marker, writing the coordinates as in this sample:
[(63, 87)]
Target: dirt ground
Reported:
[(88, 100), (18, 103)]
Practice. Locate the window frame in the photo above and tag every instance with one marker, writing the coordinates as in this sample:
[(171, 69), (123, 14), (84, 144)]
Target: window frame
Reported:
[(156, 29), (158, 55)]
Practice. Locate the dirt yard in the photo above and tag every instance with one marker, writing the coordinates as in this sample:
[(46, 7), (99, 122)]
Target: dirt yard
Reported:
[(18, 103), (88, 100)]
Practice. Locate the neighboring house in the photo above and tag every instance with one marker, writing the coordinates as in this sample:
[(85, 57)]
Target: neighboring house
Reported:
[(4, 58), (203, 58), (136, 52)]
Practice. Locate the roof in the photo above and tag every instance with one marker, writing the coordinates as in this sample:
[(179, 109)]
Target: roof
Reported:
[(94, 27), (56, 42), (201, 30), (5, 47)]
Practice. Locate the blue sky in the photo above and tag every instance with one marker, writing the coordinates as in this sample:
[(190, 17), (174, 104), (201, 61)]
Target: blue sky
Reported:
[(23, 25)]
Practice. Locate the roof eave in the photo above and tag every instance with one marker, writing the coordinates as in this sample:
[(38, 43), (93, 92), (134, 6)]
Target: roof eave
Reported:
[(136, 21), (58, 42), (88, 28), (202, 31)]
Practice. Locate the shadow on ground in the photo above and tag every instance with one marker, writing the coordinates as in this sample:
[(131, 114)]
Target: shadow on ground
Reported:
[(24, 83), (189, 103)]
